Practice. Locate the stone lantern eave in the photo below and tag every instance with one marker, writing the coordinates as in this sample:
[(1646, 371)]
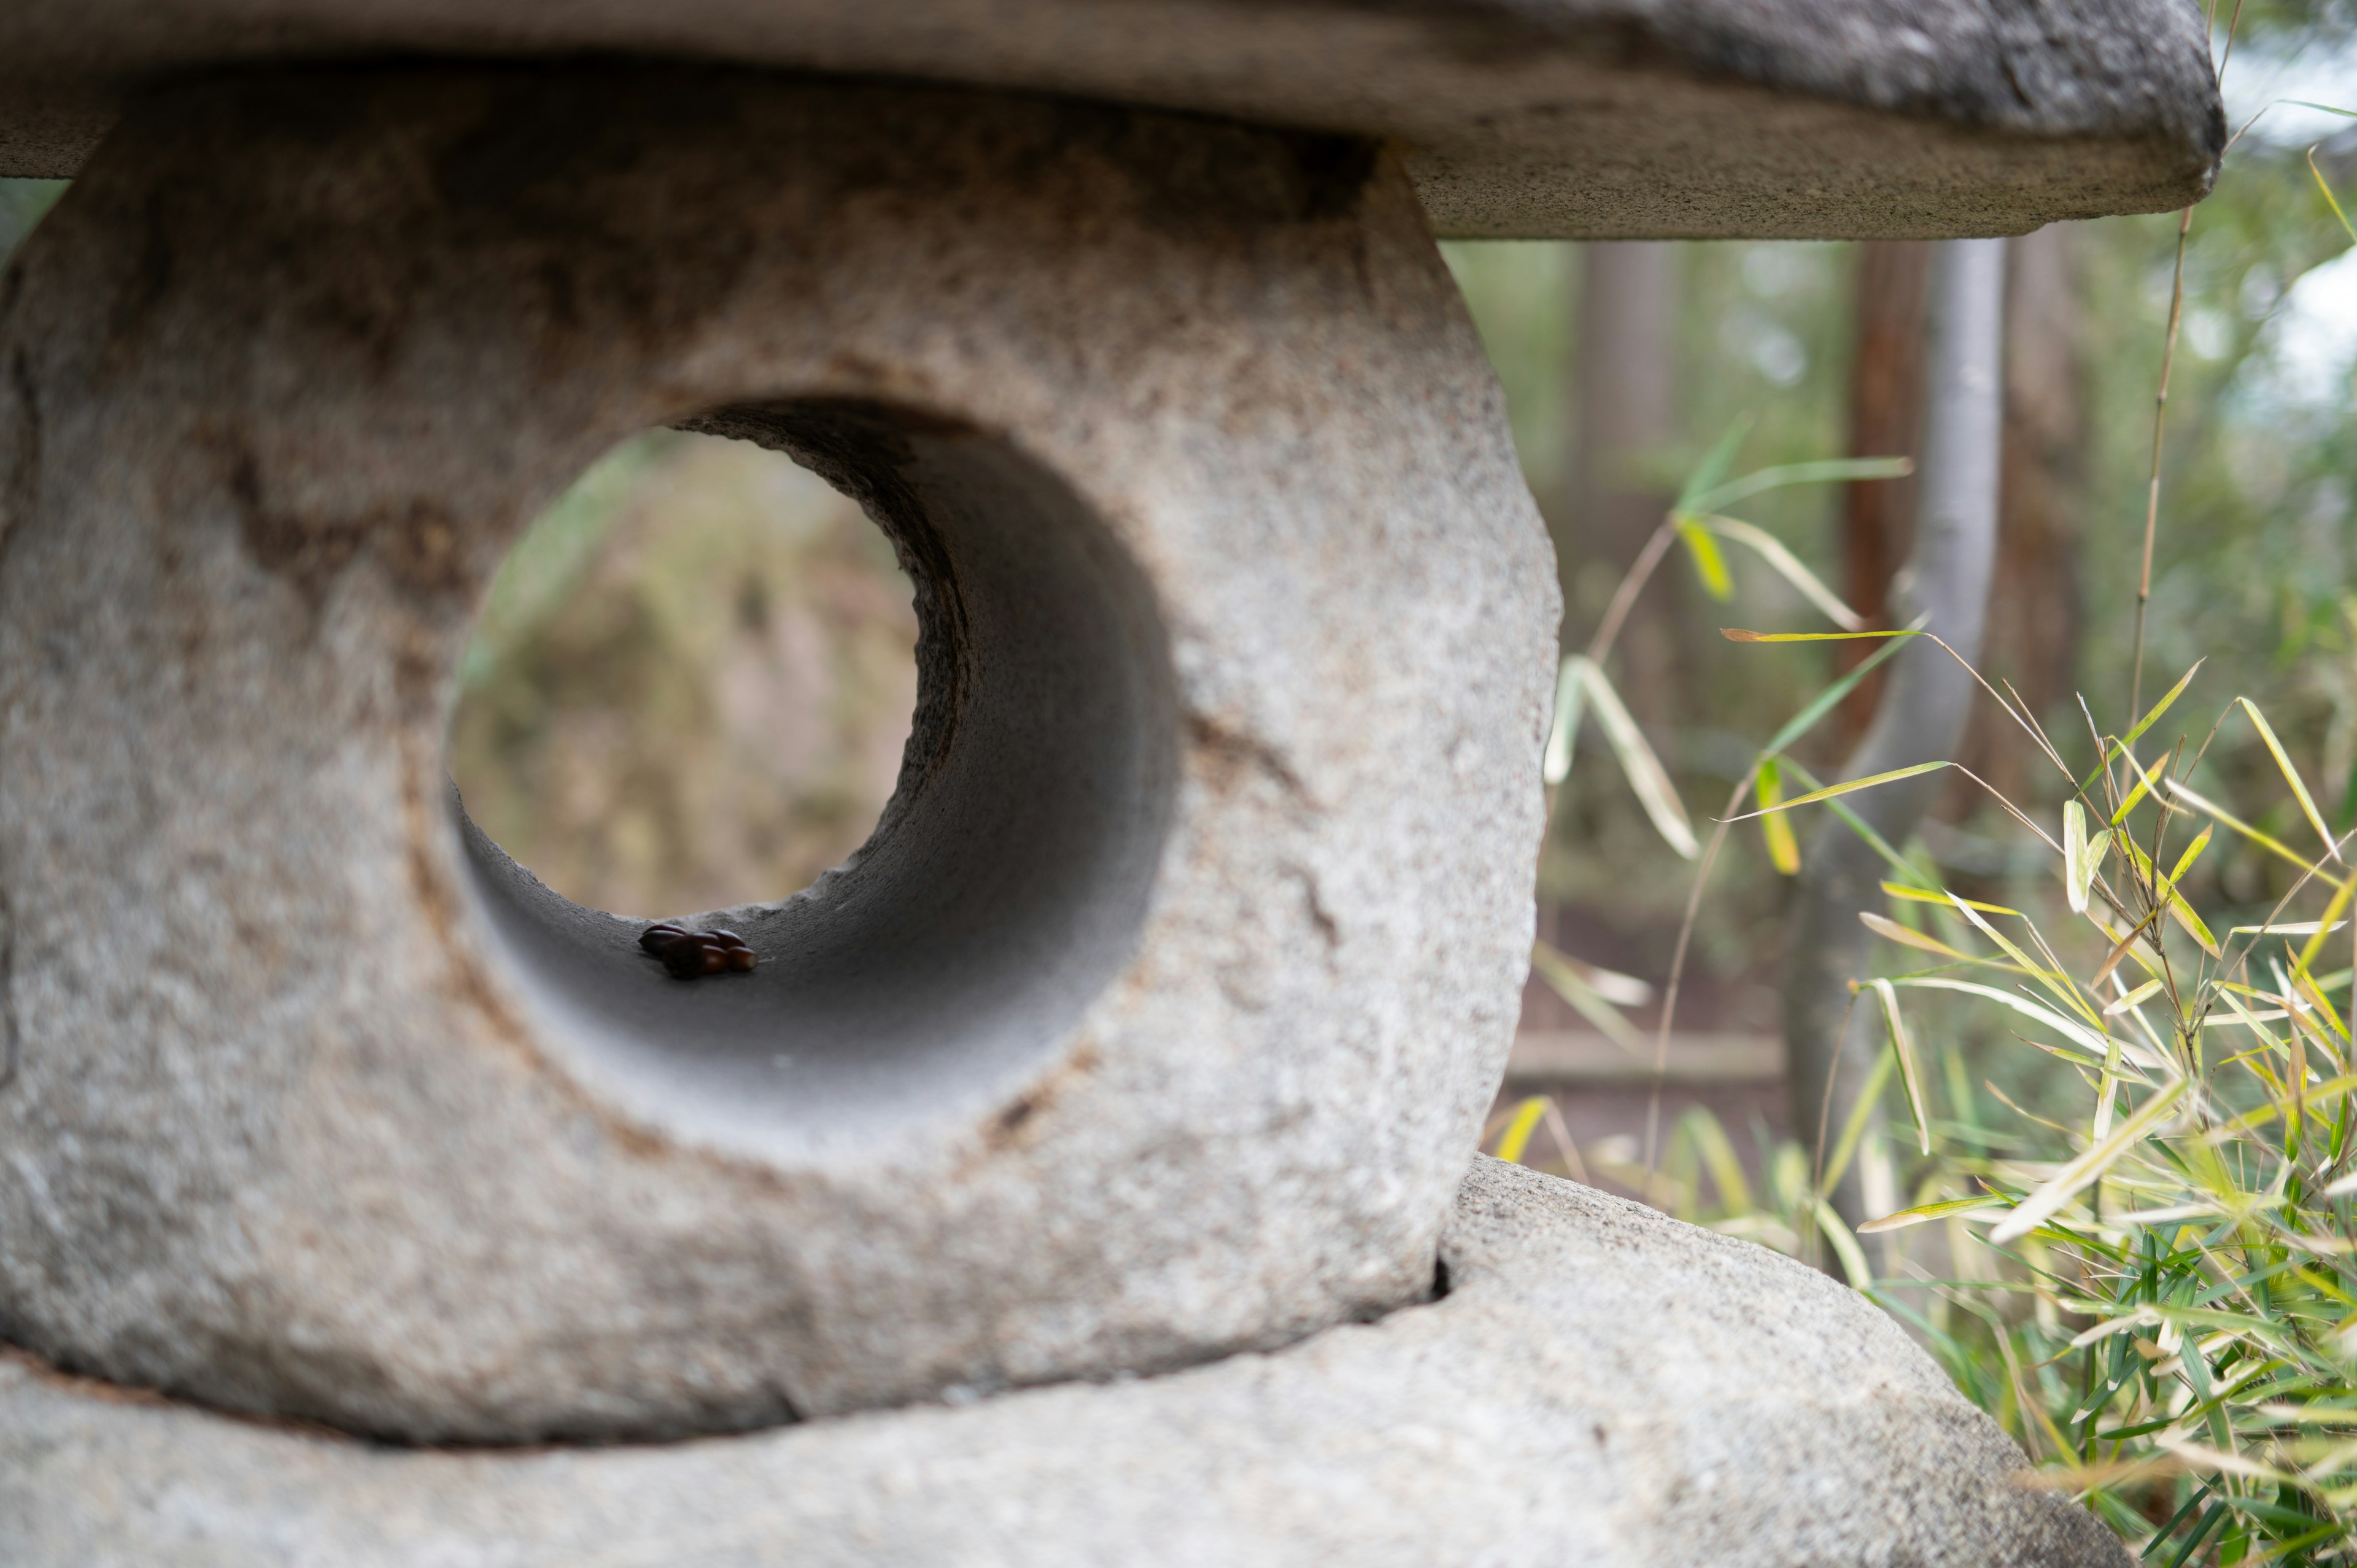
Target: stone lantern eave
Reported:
[(1515, 118)]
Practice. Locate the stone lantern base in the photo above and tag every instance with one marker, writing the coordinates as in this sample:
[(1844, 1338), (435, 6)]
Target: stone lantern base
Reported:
[(1599, 1386)]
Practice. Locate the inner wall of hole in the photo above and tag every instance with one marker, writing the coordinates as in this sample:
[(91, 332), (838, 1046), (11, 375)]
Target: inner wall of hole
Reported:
[(1006, 883)]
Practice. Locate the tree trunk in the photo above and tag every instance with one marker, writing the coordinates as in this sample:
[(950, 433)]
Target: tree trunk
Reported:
[(2033, 617), (1924, 703), (1626, 410), (1885, 420)]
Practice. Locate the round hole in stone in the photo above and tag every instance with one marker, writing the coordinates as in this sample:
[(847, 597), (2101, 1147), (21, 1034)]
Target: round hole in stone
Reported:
[(690, 686), (1003, 885)]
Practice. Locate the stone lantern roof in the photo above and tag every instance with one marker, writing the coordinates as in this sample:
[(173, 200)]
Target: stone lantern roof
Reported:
[(1517, 118)]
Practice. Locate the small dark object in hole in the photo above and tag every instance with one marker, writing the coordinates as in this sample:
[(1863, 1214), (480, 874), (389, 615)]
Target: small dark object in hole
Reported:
[(1439, 1278), (691, 955)]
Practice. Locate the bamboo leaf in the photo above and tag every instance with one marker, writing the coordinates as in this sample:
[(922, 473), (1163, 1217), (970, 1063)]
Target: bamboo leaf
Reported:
[(2192, 853), (2076, 872), (1786, 564), (1908, 1079), (2080, 1035), (1709, 1140), (2132, 998), (2325, 186), (1709, 563), (1827, 700), (1590, 994), (1737, 634), (2162, 707), (1943, 898), (1783, 850), (1922, 1212), (2178, 909), (1861, 1115), (1516, 1138), (1851, 786), (1891, 931), (2254, 835), (1845, 1247), (1714, 465), (1568, 691), (2325, 923), (1829, 471), (2041, 1205), (1645, 773), (2291, 775)]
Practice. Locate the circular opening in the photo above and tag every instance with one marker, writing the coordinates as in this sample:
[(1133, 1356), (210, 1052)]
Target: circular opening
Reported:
[(690, 686), (1004, 885)]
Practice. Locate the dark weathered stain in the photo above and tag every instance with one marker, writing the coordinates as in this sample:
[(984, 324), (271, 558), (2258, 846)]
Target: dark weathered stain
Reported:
[(416, 541), (420, 548), (1225, 755), (286, 544)]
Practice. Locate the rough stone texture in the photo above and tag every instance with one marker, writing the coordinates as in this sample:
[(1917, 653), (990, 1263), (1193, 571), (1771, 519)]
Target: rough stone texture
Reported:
[(1155, 1024), (1525, 117), (1603, 1386)]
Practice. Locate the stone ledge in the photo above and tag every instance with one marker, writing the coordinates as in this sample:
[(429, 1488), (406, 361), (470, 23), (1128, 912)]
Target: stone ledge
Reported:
[(1529, 118), (1602, 1385)]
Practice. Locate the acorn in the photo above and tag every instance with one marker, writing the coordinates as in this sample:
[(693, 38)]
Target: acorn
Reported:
[(659, 935), (729, 939), (684, 957), (742, 960)]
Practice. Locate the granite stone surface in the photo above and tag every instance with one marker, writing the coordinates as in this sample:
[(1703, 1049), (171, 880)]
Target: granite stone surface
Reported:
[(1602, 1386), (1155, 1022), (1605, 118)]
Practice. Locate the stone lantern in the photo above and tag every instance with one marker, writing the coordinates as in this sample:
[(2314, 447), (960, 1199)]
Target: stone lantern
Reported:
[(1082, 1174)]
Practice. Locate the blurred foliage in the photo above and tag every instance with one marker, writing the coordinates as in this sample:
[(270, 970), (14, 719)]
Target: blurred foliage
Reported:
[(2255, 549), (690, 683)]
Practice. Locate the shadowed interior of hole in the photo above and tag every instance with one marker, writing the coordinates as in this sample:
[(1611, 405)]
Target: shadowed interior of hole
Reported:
[(1004, 887)]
